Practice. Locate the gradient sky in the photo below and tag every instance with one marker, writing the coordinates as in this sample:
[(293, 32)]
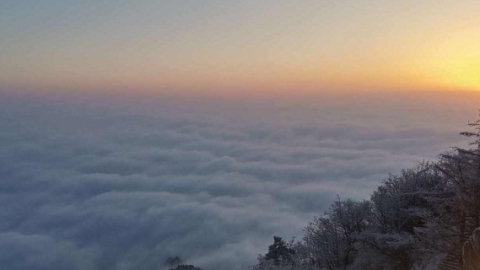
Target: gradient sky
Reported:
[(125, 181), (190, 46)]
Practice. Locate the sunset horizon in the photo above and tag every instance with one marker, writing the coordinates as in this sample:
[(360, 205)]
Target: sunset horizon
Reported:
[(200, 47)]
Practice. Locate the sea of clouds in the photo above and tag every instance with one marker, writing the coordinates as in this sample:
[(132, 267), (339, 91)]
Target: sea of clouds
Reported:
[(101, 183)]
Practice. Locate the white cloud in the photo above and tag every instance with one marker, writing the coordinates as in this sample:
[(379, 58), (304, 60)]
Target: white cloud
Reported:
[(107, 185)]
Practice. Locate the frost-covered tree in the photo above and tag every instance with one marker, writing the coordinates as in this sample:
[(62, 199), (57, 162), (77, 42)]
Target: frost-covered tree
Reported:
[(279, 252), (331, 239), (417, 220), (471, 252), (461, 169), (402, 206), (298, 260)]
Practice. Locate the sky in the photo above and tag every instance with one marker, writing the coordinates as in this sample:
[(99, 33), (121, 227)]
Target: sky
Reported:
[(133, 131), (192, 47)]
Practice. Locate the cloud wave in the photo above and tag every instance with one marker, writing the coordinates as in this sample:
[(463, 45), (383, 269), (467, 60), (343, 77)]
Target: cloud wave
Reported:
[(111, 185)]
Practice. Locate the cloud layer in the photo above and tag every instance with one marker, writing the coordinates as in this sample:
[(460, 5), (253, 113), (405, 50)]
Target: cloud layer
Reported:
[(97, 184)]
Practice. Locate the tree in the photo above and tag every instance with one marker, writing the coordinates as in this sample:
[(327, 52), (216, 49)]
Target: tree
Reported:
[(419, 219), (332, 239), (461, 169), (186, 267), (471, 252), (300, 259), (279, 252)]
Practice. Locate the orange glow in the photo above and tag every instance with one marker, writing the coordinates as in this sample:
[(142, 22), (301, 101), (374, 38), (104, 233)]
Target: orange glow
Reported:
[(291, 49), (451, 61), (457, 60)]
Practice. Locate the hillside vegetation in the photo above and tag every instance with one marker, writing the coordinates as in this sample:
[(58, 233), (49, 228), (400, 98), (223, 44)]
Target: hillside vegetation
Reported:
[(418, 219)]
